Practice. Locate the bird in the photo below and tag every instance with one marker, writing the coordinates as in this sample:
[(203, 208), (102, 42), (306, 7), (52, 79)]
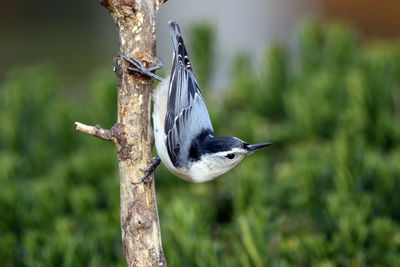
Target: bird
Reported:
[(183, 132)]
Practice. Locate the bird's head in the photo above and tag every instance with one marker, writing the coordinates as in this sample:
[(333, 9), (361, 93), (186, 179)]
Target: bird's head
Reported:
[(220, 154)]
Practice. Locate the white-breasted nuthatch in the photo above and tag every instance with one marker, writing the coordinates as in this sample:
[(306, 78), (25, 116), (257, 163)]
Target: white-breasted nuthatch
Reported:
[(183, 133)]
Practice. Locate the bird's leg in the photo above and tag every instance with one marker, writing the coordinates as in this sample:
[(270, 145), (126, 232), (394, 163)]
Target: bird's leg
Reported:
[(149, 171), (141, 69), (159, 65)]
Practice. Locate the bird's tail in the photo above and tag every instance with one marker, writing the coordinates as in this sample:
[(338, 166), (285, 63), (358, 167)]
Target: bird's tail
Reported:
[(180, 53), (175, 32)]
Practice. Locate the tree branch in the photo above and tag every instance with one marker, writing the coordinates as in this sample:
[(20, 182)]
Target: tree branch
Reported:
[(132, 134), (96, 131)]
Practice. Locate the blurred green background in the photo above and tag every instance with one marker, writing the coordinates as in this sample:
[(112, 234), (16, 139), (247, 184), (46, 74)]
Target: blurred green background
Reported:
[(325, 194)]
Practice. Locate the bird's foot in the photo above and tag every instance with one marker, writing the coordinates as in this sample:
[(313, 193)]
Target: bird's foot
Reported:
[(138, 66), (149, 171)]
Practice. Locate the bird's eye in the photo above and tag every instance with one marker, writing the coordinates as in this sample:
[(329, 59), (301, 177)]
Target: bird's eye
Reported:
[(230, 156)]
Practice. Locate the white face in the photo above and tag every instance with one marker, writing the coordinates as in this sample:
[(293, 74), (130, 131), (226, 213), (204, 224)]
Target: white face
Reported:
[(228, 159), (213, 165)]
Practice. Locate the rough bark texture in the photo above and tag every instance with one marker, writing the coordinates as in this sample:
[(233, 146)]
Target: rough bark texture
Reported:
[(141, 239)]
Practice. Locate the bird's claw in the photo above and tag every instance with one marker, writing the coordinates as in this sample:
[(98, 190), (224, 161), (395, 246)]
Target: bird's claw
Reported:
[(149, 171), (139, 68)]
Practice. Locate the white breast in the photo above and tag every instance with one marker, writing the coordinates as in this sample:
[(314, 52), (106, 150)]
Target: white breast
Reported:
[(160, 109)]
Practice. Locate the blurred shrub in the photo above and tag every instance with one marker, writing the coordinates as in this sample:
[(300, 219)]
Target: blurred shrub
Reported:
[(59, 194), (325, 194), (201, 41)]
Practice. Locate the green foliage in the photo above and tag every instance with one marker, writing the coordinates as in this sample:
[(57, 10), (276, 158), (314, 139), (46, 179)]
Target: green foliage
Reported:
[(201, 40), (59, 206), (325, 194)]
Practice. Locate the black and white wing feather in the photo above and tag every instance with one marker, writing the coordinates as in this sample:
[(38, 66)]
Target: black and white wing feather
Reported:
[(187, 116)]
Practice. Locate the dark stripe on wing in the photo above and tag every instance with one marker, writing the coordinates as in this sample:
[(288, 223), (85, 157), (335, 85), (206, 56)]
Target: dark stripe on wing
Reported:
[(183, 90)]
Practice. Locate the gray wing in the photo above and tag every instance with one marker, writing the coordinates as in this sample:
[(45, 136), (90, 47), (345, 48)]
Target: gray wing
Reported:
[(187, 116)]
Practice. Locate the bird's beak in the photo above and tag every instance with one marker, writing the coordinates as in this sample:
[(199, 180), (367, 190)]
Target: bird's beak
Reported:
[(255, 147)]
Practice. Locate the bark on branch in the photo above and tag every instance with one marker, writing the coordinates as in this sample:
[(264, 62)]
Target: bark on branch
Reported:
[(141, 238), (96, 131)]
